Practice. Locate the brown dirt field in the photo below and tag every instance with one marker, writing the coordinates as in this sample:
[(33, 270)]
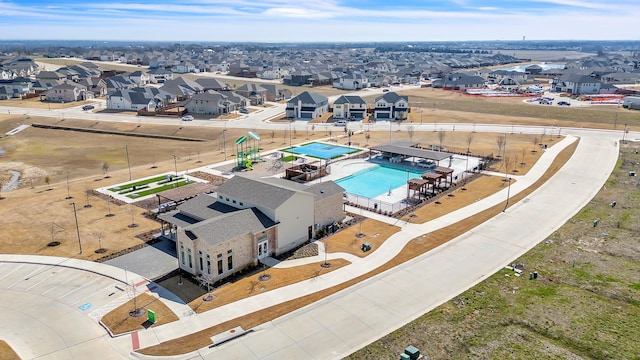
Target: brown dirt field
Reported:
[(346, 240), (416, 247), (6, 352), (35, 103), (443, 106), (476, 190), (251, 285), (45, 215), (119, 321)]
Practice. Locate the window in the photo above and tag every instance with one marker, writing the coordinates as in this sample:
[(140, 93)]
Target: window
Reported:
[(190, 259), (234, 201), (201, 261), (182, 253), (220, 270), (241, 204), (208, 264), (230, 262)]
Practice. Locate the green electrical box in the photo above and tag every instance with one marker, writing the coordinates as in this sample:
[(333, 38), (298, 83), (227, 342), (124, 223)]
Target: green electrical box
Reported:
[(366, 246), (151, 316), (412, 351), (404, 356)]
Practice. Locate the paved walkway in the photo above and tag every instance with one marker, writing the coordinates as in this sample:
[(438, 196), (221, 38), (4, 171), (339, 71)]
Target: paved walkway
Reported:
[(348, 320)]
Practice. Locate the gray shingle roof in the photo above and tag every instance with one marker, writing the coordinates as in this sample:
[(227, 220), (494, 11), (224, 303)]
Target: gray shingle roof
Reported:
[(267, 193), (226, 227), (349, 99)]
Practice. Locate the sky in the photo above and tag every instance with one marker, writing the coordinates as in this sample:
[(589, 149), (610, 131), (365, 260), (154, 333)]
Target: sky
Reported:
[(318, 20)]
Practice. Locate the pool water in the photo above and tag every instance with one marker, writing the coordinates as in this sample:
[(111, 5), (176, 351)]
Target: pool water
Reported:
[(376, 180), (322, 151)]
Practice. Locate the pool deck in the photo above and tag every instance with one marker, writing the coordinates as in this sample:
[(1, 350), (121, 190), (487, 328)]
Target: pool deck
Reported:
[(343, 168)]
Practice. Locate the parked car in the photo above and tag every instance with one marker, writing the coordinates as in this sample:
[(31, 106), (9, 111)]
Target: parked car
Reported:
[(340, 123), (244, 111), (385, 90), (187, 118), (88, 107), (564, 103)]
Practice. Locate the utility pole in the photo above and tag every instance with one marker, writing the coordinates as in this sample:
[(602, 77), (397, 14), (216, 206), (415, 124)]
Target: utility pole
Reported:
[(75, 214)]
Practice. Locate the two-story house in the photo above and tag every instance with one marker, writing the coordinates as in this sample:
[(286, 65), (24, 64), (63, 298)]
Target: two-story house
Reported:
[(307, 106), (349, 107), (391, 106), (68, 92)]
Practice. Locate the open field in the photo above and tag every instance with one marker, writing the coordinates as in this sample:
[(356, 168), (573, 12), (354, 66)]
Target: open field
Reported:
[(41, 213), (584, 304), (440, 106)]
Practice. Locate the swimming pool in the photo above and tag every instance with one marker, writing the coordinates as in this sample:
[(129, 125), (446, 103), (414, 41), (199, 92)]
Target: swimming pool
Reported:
[(321, 150), (376, 180)]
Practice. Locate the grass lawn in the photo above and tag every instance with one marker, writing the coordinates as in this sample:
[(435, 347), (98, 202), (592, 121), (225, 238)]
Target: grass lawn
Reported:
[(158, 189), (137, 183), (585, 303)]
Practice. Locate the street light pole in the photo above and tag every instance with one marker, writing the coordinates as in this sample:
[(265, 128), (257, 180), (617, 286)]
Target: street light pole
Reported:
[(224, 141), (508, 192), (75, 214), (126, 149), (175, 164)]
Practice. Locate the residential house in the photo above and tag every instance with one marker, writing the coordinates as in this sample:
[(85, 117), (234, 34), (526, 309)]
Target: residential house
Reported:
[(182, 88), (576, 84), (213, 102), (307, 106), (459, 81), (297, 78), (352, 81), (159, 75), (349, 107), (16, 88), (255, 93), (139, 78), (184, 67), (147, 98), (95, 85), (391, 106), (276, 92), (68, 92), (212, 84), (272, 73), (247, 220)]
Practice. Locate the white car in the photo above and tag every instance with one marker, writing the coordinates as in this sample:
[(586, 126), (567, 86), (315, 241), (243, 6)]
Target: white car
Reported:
[(340, 123), (187, 118)]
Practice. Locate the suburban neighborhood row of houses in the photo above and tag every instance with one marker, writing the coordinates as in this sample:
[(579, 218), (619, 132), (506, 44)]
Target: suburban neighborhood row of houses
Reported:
[(350, 70)]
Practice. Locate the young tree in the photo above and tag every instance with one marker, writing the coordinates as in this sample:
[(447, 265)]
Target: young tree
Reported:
[(441, 136), (273, 135), (507, 163), (367, 136), (501, 140), (99, 235), (105, 169), (410, 131), (535, 142), (206, 279), (524, 152), (47, 180)]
